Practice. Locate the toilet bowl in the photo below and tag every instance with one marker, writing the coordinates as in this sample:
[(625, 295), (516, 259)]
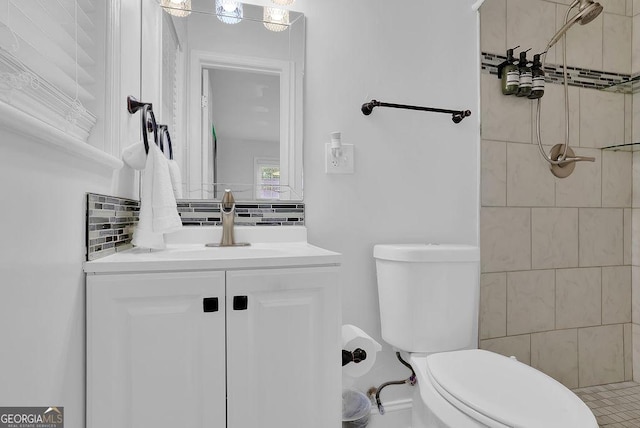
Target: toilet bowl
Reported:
[(429, 298), (476, 388)]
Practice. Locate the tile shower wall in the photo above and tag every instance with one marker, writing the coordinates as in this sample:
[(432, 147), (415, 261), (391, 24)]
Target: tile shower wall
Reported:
[(635, 273), (557, 253)]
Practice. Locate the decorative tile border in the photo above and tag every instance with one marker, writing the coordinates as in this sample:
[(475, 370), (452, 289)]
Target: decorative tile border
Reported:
[(207, 213), (110, 220), (582, 77)]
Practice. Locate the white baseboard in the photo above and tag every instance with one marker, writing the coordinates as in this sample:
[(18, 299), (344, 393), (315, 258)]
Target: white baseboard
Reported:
[(397, 414), (393, 406)]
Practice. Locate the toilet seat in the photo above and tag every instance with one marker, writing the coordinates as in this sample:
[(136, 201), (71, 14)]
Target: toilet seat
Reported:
[(501, 392)]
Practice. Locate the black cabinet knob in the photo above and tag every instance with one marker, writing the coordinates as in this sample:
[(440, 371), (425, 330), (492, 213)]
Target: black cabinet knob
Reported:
[(240, 303), (210, 304)]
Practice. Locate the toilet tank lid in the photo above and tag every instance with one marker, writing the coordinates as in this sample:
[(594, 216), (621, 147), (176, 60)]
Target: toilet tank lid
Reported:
[(427, 252)]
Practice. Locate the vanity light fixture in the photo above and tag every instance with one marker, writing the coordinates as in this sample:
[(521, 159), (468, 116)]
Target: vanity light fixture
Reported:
[(283, 2), (229, 11), (276, 19), (180, 8)]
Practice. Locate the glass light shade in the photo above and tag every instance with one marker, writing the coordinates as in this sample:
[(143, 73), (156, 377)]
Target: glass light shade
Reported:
[(179, 8), (283, 2), (276, 19), (229, 11)]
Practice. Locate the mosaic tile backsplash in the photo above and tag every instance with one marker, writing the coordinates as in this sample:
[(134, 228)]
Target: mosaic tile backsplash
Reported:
[(576, 76), (207, 213), (110, 223), (110, 220)]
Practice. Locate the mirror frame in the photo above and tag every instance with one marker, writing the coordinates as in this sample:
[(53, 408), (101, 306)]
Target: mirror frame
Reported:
[(291, 93)]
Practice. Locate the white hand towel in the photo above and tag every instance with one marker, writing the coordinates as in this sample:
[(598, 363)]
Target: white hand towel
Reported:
[(135, 156), (176, 178), (158, 210)]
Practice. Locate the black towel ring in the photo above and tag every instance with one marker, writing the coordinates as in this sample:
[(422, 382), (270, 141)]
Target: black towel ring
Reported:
[(161, 130), (149, 125), (145, 139), (165, 135), (169, 143), (133, 105)]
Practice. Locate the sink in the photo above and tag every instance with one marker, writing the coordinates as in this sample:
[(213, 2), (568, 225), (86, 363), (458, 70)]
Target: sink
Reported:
[(252, 234), (203, 252), (235, 244), (189, 252)]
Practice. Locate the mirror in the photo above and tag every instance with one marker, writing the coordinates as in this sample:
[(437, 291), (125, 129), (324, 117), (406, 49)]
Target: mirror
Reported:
[(230, 90)]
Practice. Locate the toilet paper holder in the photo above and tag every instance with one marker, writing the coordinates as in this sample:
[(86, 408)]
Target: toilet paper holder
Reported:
[(356, 356)]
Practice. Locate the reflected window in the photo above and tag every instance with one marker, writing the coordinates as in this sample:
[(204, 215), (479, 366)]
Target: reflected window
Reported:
[(267, 178)]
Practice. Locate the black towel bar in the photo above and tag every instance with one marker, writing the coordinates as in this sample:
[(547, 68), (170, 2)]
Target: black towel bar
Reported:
[(457, 115)]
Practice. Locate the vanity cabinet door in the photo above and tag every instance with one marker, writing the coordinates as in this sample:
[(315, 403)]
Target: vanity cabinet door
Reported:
[(283, 348), (156, 350)]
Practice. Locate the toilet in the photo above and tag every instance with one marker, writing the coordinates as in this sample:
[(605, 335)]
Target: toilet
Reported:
[(429, 302)]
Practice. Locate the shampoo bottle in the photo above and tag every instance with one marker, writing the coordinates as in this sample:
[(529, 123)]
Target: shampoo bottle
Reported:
[(537, 89), (510, 75), (526, 78)]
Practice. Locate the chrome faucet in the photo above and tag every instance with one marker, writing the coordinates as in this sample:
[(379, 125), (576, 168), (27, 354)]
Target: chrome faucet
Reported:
[(228, 214)]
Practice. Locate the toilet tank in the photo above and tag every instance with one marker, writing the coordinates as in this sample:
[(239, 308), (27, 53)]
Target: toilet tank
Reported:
[(429, 296)]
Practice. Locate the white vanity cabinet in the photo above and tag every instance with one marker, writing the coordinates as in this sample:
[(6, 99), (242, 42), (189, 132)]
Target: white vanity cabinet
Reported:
[(215, 349), (283, 352), (154, 357)]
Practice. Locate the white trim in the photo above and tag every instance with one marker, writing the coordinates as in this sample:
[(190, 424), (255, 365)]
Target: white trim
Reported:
[(114, 103), (151, 57), (394, 406), (24, 89), (22, 123), (477, 5)]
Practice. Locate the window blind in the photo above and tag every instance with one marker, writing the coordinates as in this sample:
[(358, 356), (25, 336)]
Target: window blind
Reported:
[(49, 53)]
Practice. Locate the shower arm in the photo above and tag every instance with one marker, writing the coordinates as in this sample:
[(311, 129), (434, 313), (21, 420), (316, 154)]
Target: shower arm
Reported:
[(567, 24), (562, 33)]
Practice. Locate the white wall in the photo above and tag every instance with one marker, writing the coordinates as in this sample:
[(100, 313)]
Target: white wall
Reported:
[(416, 180), (416, 176), (42, 247), (42, 307)]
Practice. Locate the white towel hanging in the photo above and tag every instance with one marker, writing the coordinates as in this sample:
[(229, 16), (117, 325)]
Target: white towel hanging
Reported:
[(158, 209)]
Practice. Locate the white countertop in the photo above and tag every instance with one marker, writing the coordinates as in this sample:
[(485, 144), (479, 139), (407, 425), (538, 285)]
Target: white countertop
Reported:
[(188, 252)]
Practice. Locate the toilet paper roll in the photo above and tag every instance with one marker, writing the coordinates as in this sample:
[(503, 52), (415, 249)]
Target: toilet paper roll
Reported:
[(352, 339)]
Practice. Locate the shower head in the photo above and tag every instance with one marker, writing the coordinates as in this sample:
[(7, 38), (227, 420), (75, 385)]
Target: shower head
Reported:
[(588, 10)]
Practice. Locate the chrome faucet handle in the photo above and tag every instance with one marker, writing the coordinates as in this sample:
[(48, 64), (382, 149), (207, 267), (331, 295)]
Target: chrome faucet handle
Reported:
[(227, 203), (228, 213), (577, 159), (563, 168)]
